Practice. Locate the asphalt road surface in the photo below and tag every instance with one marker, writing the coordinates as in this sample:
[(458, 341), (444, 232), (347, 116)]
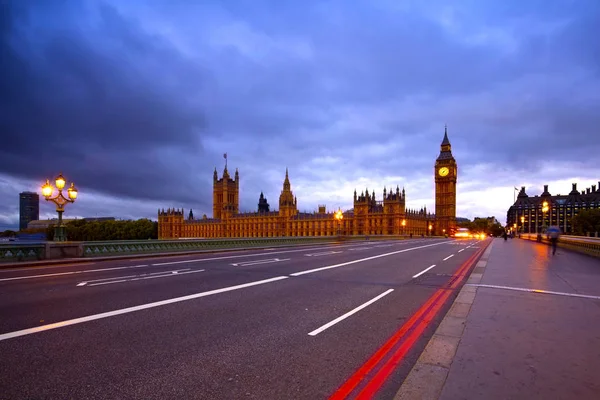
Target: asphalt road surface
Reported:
[(291, 323)]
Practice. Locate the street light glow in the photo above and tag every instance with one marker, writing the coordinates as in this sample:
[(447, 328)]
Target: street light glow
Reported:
[(72, 192), (60, 201), (60, 182), (47, 189)]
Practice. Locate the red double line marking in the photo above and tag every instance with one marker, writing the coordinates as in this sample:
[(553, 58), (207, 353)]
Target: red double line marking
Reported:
[(419, 321)]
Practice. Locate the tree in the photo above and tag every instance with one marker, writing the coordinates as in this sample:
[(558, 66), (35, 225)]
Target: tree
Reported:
[(586, 221), (8, 233), (82, 230)]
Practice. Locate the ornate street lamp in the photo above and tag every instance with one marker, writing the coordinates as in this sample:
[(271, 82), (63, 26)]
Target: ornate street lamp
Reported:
[(430, 228), (403, 226), (61, 201), (339, 216), (523, 224), (545, 208)]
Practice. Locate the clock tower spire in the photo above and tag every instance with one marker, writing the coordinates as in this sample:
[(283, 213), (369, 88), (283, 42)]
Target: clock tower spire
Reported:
[(446, 174)]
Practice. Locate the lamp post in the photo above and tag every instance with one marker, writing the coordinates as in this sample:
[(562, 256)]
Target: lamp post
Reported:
[(60, 201), (430, 228), (403, 227), (339, 216), (523, 224), (545, 208)]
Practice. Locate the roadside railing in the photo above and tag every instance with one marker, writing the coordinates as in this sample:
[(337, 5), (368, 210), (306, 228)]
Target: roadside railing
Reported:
[(19, 251), (15, 252), (581, 244)]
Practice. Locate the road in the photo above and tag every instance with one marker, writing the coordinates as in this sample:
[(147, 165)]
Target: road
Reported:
[(263, 324)]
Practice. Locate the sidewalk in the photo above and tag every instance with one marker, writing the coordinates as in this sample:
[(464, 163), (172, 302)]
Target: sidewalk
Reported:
[(506, 337)]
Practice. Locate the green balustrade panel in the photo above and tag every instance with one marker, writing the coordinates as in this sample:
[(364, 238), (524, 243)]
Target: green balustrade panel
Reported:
[(21, 252), (125, 247)]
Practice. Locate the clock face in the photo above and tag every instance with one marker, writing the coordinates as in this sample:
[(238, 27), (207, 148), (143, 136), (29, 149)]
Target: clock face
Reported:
[(443, 171)]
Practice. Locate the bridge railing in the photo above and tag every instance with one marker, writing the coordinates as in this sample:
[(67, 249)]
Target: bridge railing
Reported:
[(22, 251), (581, 244)]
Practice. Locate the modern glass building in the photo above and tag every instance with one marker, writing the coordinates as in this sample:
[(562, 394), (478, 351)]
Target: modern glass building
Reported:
[(528, 215), (29, 208)]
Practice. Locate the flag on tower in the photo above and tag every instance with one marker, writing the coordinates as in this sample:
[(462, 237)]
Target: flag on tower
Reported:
[(225, 156)]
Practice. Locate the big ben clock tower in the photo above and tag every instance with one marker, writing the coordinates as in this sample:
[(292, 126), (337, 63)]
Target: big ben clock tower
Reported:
[(446, 173)]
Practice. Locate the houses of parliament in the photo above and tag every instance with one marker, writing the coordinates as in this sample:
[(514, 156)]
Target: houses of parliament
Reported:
[(369, 216)]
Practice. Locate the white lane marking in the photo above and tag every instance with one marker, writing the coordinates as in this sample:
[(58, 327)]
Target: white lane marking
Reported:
[(384, 245), (71, 273), (172, 273), (365, 259), (257, 262), (130, 276), (113, 313), (585, 296), (450, 256), (252, 255), (461, 250), (422, 272), (360, 248), (349, 313), (322, 254)]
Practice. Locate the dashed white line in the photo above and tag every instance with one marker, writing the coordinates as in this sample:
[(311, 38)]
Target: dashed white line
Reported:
[(422, 272), (88, 318), (349, 313), (450, 256), (461, 250), (310, 271)]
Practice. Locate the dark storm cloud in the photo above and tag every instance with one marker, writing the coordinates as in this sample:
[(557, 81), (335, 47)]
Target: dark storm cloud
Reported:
[(143, 98), (88, 102)]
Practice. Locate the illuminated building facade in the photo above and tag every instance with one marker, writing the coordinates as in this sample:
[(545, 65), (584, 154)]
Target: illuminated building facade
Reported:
[(369, 216), (527, 213)]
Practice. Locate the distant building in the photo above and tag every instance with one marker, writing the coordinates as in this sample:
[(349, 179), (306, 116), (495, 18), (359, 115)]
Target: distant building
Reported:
[(561, 209), (369, 215), (29, 208)]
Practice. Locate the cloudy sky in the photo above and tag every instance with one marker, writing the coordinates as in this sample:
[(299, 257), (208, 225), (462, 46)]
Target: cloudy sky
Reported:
[(136, 101)]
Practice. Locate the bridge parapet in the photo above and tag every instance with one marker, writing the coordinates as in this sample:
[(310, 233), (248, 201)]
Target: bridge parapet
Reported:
[(23, 252), (581, 244)]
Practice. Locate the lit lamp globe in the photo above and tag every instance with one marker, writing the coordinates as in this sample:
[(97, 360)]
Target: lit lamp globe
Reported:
[(72, 191), (47, 189), (60, 182)]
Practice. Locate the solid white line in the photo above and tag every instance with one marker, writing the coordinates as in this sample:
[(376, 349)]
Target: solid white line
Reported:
[(349, 313), (70, 273), (257, 262), (585, 296), (171, 273), (365, 259), (450, 256), (88, 318), (132, 276), (322, 254), (461, 250), (251, 255), (422, 272)]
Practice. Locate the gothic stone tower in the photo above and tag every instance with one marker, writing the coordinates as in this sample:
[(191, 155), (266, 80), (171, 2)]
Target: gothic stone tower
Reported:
[(287, 200), (446, 173), (226, 194)]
